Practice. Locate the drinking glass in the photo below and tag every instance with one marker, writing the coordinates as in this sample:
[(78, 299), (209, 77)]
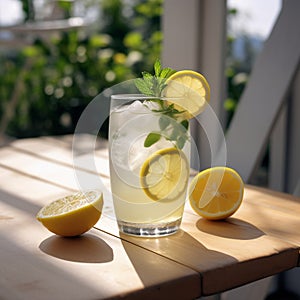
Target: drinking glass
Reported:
[(149, 156)]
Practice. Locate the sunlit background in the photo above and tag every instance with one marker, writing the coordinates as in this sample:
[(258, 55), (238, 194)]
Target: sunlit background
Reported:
[(57, 55)]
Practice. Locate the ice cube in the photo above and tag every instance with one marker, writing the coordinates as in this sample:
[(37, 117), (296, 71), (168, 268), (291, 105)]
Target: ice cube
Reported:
[(139, 107)]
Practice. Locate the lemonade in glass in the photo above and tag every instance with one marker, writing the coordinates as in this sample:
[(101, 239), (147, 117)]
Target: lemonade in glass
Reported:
[(148, 182), (149, 151)]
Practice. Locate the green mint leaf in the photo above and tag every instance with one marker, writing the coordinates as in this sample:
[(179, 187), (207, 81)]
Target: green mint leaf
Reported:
[(167, 72), (153, 85), (151, 139), (180, 142), (185, 124), (174, 134), (164, 122), (143, 86), (146, 75), (157, 68), (163, 85)]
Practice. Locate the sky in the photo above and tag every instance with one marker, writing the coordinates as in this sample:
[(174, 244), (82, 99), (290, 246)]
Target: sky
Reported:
[(256, 17), (10, 12)]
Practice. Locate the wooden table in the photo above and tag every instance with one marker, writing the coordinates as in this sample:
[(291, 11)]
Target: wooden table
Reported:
[(203, 258)]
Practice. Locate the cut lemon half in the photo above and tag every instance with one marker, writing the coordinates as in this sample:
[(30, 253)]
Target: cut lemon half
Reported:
[(164, 175), (189, 91), (72, 215), (216, 193)]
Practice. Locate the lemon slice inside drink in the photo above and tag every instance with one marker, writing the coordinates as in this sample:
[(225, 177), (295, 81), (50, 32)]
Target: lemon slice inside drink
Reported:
[(189, 92), (72, 215), (164, 175), (216, 193)]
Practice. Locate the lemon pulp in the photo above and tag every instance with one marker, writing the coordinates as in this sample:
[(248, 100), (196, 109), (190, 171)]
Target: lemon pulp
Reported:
[(189, 92), (164, 175)]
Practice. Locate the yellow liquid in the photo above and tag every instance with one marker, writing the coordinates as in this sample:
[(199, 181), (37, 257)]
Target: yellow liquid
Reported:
[(133, 205), (127, 154)]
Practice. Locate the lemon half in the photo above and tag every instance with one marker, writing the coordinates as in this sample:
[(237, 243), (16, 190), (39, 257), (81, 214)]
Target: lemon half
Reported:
[(216, 193), (72, 215)]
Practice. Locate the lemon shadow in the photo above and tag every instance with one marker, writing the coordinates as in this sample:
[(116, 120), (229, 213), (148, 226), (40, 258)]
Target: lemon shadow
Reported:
[(232, 228), (29, 274), (86, 248)]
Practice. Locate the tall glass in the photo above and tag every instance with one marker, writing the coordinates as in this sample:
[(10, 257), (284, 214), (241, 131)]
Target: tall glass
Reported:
[(149, 154)]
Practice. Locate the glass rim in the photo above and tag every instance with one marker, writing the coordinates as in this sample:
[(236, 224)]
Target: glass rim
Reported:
[(130, 97)]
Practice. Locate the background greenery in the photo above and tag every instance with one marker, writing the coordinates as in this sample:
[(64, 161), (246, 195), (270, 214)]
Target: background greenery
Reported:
[(58, 75), (45, 86)]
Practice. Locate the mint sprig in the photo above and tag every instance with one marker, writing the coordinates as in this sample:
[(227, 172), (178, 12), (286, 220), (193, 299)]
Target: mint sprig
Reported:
[(171, 128), (153, 85)]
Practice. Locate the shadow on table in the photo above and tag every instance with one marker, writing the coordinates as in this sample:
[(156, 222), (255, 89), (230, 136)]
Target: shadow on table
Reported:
[(30, 276), (230, 228), (180, 247), (87, 248)]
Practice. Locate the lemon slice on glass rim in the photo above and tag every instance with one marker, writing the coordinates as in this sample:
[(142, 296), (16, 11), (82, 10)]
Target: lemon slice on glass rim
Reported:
[(216, 193), (164, 175), (72, 215), (189, 92)]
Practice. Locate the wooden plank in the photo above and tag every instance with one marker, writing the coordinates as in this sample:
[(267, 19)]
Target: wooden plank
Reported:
[(36, 264), (275, 213), (54, 172), (263, 97), (60, 150)]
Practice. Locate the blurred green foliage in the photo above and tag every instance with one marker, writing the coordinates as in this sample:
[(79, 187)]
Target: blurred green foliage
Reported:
[(237, 69), (57, 76), (51, 81)]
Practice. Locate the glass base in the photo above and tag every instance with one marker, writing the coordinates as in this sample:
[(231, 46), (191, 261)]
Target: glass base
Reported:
[(149, 230)]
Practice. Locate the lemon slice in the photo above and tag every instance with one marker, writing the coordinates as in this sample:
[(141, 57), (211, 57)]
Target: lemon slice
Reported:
[(72, 215), (164, 175), (216, 193), (189, 91)]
